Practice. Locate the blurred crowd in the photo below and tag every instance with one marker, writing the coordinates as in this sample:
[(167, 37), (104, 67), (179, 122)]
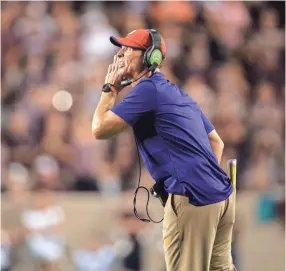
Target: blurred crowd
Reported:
[(228, 56)]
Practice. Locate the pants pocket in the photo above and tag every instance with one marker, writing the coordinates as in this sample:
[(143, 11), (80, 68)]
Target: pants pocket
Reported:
[(176, 204), (173, 205)]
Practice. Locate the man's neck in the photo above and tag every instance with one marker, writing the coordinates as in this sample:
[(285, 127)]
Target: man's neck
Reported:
[(145, 74)]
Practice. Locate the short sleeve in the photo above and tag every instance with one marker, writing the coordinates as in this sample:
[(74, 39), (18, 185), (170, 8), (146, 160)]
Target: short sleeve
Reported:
[(141, 100), (208, 125)]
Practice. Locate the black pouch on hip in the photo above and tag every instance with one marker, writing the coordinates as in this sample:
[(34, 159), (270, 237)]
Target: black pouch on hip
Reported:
[(158, 191)]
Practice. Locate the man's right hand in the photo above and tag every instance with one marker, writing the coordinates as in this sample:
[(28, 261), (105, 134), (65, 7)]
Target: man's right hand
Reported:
[(115, 75)]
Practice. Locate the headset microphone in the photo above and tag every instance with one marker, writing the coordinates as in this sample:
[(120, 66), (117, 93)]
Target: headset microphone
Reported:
[(128, 82)]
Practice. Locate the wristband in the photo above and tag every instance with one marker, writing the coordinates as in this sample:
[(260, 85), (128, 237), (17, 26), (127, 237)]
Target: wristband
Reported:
[(107, 87)]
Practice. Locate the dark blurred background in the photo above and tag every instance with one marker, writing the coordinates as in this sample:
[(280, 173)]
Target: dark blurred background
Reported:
[(229, 56)]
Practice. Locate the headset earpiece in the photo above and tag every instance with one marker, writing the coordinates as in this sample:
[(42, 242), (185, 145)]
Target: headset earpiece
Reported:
[(153, 55)]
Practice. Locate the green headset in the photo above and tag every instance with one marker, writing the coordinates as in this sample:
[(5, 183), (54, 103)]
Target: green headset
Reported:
[(153, 56)]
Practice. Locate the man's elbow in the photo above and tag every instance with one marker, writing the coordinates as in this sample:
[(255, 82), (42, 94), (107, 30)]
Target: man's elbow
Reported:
[(107, 129), (98, 133)]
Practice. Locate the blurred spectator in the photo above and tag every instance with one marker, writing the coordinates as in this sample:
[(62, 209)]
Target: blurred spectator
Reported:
[(98, 255), (47, 173), (203, 95), (5, 251), (172, 11), (96, 33), (120, 251), (43, 223), (132, 260), (125, 159), (265, 165), (227, 22), (281, 211), (16, 182), (267, 111)]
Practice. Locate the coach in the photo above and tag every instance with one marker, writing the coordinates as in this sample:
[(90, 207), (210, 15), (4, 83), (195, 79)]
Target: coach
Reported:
[(180, 149)]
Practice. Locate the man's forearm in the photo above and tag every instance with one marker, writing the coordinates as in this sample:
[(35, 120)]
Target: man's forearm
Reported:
[(217, 148), (106, 102)]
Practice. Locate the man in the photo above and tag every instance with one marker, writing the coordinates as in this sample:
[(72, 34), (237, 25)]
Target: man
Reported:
[(180, 148)]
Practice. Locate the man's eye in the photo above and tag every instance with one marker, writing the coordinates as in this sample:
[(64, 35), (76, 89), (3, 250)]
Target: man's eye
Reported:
[(128, 51)]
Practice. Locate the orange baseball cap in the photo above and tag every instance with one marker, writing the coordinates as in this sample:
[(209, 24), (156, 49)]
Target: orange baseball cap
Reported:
[(138, 39)]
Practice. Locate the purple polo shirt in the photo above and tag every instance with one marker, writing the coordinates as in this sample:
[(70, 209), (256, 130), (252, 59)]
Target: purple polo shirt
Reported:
[(172, 136)]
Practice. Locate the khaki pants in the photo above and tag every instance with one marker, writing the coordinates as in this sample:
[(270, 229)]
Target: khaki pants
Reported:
[(198, 238)]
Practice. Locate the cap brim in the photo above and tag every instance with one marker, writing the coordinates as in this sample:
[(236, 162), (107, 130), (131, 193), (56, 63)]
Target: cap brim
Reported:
[(119, 42)]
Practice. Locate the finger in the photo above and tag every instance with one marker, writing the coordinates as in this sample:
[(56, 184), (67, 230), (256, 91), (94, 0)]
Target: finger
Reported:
[(112, 68), (109, 69), (115, 58), (116, 66)]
